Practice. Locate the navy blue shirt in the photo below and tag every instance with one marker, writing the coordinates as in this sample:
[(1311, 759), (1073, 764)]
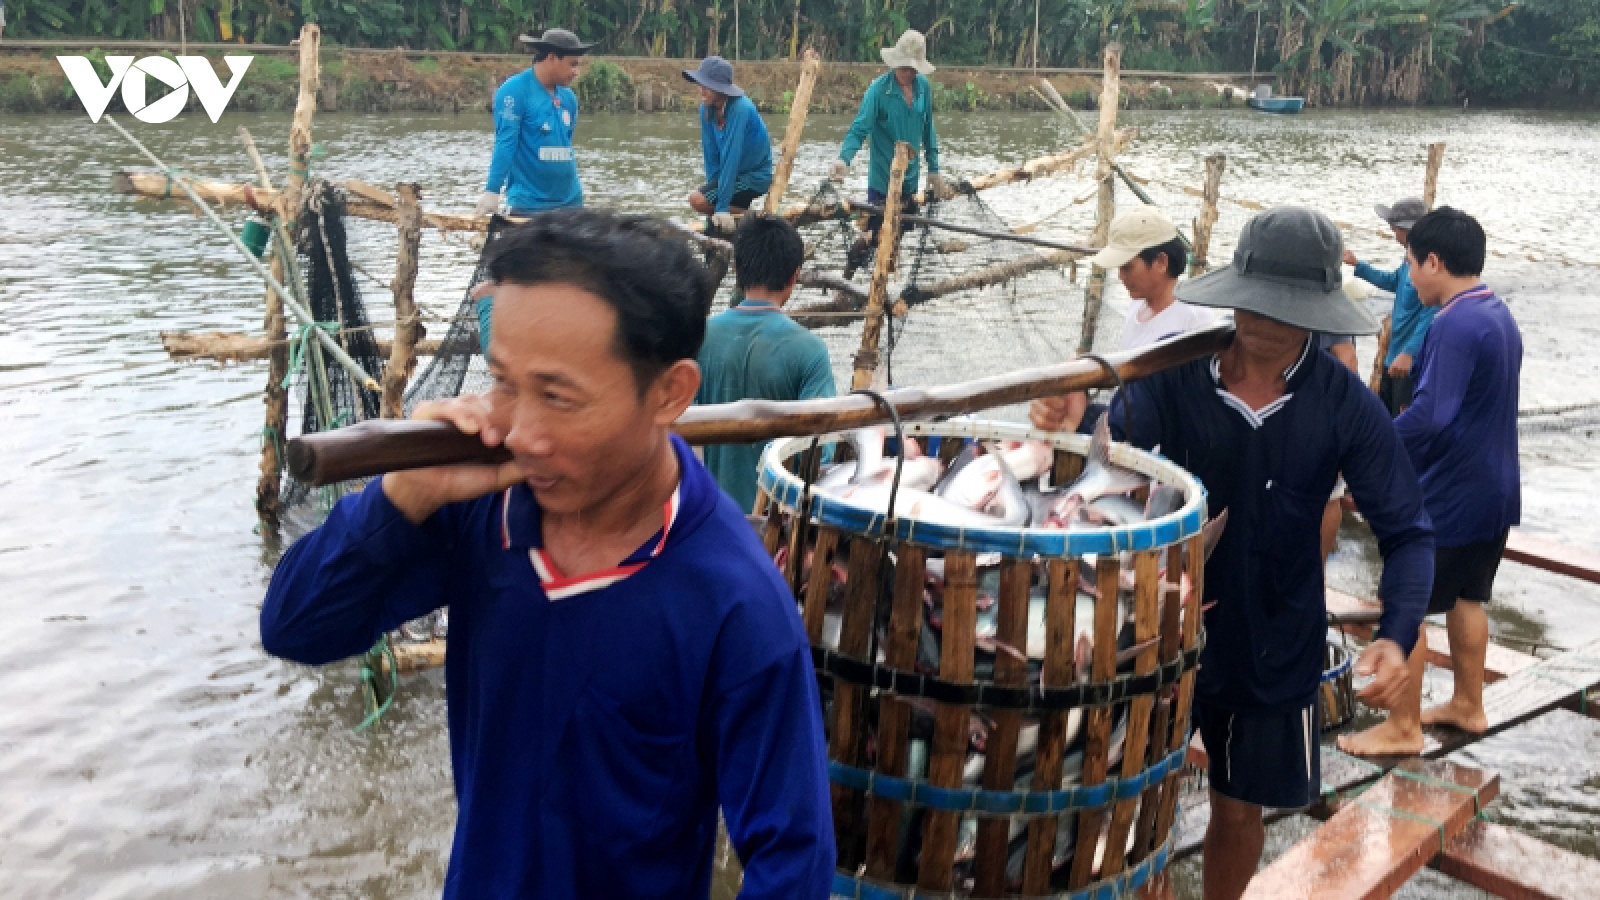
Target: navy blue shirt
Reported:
[(1461, 426), (598, 722), (1272, 469)]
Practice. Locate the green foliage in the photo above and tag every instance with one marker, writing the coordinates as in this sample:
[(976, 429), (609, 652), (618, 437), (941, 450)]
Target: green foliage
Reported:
[(604, 86)]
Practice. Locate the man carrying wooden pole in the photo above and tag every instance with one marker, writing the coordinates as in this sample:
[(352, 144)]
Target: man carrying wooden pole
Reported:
[(1107, 205), (277, 399)]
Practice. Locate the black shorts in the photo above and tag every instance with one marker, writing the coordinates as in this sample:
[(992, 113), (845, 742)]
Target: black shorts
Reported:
[(1465, 572), (741, 199), (1268, 759), (1396, 393)]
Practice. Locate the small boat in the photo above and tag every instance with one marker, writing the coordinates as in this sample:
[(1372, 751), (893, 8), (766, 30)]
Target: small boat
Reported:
[(1263, 100), (1283, 105)]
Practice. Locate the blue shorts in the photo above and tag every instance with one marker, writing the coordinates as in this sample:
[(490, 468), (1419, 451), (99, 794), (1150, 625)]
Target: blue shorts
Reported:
[(1268, 759)]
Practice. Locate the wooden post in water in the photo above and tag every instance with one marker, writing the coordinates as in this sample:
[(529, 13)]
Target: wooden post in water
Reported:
[(407, 327), (866, 362), (1107, 206), (1208, 215), (791, 134), (1430, 180), (277, 399)]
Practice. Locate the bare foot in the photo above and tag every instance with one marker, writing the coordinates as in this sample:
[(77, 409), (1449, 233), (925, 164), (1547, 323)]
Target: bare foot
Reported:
[(1457, 715), (1384, 739)]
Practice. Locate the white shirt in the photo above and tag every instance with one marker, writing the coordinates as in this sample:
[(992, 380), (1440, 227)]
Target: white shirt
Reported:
[(1141, 328)]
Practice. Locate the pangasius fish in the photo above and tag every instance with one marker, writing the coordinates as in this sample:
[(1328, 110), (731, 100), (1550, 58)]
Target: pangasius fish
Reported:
[(918, 472), (1100, 477)]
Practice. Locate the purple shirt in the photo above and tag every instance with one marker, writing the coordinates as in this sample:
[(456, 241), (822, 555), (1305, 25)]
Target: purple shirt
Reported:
[(1461, 428)]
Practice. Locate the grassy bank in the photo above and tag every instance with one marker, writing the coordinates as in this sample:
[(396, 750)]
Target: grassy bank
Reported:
[(385, 82)]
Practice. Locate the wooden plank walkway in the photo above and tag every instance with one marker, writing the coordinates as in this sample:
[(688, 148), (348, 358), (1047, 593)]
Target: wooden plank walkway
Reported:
[(1510, 864), (1534, 690), (1378, 841), (1356, 616), (1552, 556)]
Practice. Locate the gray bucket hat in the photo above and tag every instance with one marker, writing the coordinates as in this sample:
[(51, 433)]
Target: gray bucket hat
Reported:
[(716, 74), (1403, 214), (556, 40), (1287, 269)]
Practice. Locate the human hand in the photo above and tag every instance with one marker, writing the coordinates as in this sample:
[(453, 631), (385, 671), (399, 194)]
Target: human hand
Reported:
[(840, 170), (417, 493), (1386, 663), (1401, 367), (723, 222), (939, 187), (1350, 258), (1050, 413), (488, 204)]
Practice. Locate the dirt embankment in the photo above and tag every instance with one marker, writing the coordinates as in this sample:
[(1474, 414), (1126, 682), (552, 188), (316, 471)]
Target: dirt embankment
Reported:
[(374, 81)]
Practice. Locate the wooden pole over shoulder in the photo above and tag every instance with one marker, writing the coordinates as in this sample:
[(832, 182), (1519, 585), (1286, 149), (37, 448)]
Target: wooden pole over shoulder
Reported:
[(407, 327), (791, 134), (1208, 215), (1105, 143), (888, 240), (288, 208), (1430, 180)]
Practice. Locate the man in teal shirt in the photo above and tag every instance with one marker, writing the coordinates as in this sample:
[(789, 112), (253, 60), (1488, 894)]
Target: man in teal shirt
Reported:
[(1411, 317), (898, 106), (755, 350)]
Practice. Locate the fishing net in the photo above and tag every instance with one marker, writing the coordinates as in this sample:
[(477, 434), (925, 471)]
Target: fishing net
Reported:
[(459, 367), (963, 305)]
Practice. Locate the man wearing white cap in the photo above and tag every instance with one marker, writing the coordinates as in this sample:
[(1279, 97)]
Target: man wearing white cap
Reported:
[(1148, 255), (898, 106)]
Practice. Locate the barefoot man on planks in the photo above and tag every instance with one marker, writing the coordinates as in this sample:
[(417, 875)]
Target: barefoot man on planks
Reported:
[(1268, 425), (624, 659), (1461, 434)]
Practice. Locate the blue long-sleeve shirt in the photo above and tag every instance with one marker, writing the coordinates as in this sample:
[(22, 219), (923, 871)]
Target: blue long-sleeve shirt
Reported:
[(738, 153), (1461, 426), (593, 735), (1408, 323), (533, 159), (1273, 470), (885, 118)]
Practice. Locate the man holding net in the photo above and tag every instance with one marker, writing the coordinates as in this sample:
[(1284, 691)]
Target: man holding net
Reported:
[(1267, 425), (624, 660)]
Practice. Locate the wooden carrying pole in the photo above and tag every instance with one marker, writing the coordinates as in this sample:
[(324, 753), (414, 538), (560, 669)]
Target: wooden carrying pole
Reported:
[(1430, 179), (275, 326), (407, 325), (1208, 215), (866, 362), (1107, 207), (374, 447), (791, 133)]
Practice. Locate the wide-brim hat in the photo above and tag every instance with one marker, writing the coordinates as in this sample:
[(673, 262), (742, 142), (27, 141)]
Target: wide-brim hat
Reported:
[(1286, 268), (715, 73), (911, 50), (1403, 214), (556, 40)]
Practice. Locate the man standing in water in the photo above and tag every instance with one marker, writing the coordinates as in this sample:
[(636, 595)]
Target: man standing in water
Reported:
[(898, 106), (624, 660), (733, 143), (1461, 433), (535, 113), (1268, 425)]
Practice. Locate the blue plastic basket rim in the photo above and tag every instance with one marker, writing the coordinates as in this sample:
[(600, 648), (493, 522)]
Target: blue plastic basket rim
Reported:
[(786, 489)]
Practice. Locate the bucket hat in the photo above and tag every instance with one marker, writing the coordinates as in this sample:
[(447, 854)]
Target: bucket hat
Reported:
[(1132, 232), (556, 40), (1287, 268), (716, 74), (911, 50), (1403, 214)]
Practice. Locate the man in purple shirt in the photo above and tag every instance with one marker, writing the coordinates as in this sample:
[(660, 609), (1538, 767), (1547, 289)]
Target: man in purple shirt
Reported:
[(1461, 434)]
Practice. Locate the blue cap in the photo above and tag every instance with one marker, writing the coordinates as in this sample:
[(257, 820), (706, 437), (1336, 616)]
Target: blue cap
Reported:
[(716, 74)]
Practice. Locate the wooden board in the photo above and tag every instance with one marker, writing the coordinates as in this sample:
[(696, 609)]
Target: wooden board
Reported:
[(1552, 556), (1375, 843), (1512, 865), (1358, 616), (1536, 689)]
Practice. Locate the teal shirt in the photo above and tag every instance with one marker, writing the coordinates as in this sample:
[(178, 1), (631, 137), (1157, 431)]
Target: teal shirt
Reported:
[(1411, 317), (885, 119), (755, 351)]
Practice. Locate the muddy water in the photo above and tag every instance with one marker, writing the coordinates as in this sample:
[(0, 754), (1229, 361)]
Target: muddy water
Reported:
[(147, 746)]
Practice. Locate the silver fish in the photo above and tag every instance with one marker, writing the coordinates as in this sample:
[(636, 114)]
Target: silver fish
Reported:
[(1100, 477), (921, 505)]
